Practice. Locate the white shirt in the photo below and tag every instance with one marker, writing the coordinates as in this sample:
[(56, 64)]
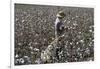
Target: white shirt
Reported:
[(58, 25)]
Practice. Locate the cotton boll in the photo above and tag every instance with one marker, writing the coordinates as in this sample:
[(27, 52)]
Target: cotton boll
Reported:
[(36, 49), (43, 58), (21, 60), (68, 22), (78, 49), (77, 42), (50, 47), (20, 44), (17, 61), (66, 61), (77, 16), (79, 32), (16, 56), (87, 51), (27, 60), (38, 61), (16, 19), (31, 47), (71, 43), (75, 23), (65, 21), (23, 21), (90, 30), (82, 41), (48, 58)]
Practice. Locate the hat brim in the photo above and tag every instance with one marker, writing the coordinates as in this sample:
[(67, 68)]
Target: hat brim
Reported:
[(59, 15)]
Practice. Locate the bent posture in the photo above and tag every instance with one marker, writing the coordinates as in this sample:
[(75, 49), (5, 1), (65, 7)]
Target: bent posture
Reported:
[(51, 53)]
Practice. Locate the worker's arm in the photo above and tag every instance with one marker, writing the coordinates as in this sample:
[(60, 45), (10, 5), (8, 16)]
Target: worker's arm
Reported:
[(62, 27)]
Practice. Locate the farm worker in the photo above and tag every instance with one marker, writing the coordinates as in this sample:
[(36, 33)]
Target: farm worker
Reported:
[(59, 28)]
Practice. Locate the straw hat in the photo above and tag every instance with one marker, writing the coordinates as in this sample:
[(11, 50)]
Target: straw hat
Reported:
[(61, 14)]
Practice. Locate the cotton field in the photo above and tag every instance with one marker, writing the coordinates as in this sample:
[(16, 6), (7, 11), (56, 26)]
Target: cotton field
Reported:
[(34, 32)]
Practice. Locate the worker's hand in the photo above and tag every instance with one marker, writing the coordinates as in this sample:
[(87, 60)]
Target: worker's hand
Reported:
[(66, 28), (62, 27)]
